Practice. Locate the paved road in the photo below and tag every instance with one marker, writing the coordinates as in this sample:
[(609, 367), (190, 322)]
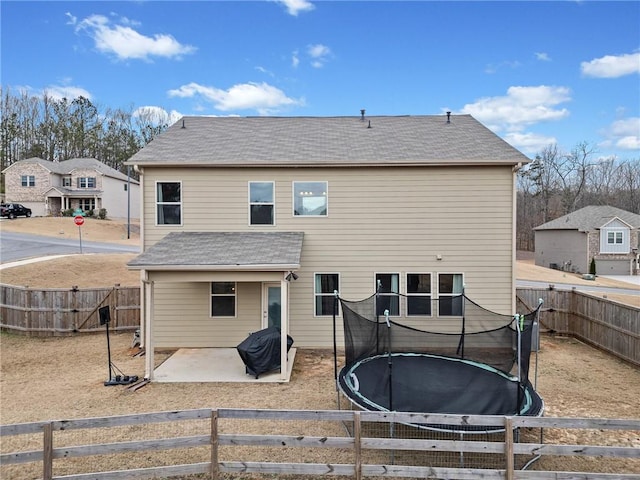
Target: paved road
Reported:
[(21, 246), (582, 288)]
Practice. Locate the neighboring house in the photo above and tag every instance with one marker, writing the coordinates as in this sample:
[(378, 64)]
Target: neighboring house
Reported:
[(608, 235), (48, 188), (253, 222)]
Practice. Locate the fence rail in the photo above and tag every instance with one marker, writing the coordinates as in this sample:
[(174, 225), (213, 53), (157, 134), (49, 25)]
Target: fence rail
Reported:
[(57, 311), (609, 326), (223, 436)]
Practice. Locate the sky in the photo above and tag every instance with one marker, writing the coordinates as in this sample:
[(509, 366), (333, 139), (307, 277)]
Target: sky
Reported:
[(537, 73)]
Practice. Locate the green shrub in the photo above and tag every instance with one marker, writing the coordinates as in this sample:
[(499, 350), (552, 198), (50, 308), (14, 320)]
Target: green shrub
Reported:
[(68, 212), (102, 213), (592, 266)]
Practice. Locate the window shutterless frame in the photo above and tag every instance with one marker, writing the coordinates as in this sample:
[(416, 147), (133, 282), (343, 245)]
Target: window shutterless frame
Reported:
[(390, 285), (310, 198), (419, 294), (262, 203), (450, 286), (324, 286), (224, 300), (168, 200)]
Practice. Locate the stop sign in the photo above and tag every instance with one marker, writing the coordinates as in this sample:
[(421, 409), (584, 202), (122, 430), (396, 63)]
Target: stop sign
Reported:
[(78, 220)]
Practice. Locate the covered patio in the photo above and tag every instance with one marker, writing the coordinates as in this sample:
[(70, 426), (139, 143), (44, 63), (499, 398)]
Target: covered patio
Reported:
[(257, 267)]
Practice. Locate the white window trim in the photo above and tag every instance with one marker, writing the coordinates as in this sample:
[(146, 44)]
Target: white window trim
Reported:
[(293, 198), (156, 202), (235, 301), (249, 203), (375, 289), (409, 295), (440, 294), (30, 181), (315, 315), (86, 181)]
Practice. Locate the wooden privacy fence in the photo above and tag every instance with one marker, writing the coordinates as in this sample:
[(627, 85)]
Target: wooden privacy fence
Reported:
[(607, 325), (58, 311), (235, 441)]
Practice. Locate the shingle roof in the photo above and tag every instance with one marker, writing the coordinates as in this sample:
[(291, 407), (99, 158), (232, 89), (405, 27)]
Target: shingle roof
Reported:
[(68, 166), (590, 218), (327, 141), (222, 250)]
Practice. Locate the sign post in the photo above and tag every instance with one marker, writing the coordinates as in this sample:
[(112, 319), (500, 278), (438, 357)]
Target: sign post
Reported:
[(79, 221)]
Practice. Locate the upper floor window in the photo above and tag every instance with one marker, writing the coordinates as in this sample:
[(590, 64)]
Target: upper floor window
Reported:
[(169, 203), (418, 294), (28, 180), (261, 203), (66, 181), (450, 289), (614, 238), (387, 286), (310, 199), (325, 286), (223, 299), (86, 182)]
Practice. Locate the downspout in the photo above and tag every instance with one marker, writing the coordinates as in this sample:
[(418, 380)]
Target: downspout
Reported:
[(514, 232)]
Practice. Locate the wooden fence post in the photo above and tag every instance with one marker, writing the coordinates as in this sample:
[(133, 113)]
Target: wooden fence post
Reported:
[(215, 469), (47, 452), (508, 448), (357, 445)]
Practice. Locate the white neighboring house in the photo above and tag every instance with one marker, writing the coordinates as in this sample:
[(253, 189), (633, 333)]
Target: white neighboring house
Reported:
[(48, 188)]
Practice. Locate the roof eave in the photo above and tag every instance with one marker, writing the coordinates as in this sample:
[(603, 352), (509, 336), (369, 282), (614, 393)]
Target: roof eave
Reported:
[(218, 268)]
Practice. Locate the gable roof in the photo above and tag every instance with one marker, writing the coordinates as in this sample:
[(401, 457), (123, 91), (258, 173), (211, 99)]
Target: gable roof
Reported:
[(67, 167), (591, 218), (327, 141), (223, 251)]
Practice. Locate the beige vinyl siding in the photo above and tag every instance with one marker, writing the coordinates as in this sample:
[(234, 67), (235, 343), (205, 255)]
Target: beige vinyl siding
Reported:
[(393, 220), (182, 316)]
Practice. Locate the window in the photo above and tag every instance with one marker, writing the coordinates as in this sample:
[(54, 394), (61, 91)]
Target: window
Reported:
[(310, 199), (223, 299), (87, 204), (261, 203), (614, 238), (450, 286), (388, 299), (169, 203), (325, 285), (418, 294), (28, 180), (66, 182), (86, 182)]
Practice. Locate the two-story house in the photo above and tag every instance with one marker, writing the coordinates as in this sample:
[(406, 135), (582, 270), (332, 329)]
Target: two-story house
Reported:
[(48, 188), (607, 235), (252, 222)]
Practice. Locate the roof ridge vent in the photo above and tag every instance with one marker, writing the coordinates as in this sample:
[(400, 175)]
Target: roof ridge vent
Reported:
[(362, 115), (448, 117)]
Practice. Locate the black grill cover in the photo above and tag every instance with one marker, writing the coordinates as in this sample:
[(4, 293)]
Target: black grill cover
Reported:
[(260, 351)]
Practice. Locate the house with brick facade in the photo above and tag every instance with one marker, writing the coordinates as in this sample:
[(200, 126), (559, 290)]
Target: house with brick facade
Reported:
[(49, 188), (608, 235)]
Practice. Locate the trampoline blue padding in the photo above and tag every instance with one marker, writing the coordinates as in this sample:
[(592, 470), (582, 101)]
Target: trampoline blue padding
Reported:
[(410, 382)]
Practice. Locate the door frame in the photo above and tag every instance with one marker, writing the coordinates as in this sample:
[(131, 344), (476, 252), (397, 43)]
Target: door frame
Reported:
[(264, 322)]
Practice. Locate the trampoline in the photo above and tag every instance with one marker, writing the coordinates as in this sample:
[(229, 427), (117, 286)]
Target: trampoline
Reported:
[(480, 369)]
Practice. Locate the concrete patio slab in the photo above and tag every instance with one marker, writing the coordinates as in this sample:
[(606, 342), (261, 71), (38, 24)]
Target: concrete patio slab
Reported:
[(212, 365)]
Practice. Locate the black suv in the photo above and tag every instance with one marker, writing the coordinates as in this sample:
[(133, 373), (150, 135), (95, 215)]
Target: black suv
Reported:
[(13, 210)]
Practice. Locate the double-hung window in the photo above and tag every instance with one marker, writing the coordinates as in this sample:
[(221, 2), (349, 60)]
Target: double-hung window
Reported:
[(28, 180), (223, 299), (261, 203), (418, 294), (387, 286), (169, 203), (325, 286), (66, 182), (450, 289), (614, 238), (86, 182), (310, 199)]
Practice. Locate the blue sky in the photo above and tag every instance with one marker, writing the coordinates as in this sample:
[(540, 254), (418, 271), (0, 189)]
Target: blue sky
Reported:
[(536, 73)]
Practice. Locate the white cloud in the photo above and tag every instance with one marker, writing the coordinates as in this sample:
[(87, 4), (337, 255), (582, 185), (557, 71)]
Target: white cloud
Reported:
[(58, 92), (319, 54), (295, 61), (296, 6), (624, 134), (126, 43), (262, 97), (542, 56), (529, 143), (493, 68), (72, 19), (521, 106), (157, 115), (612, 66)]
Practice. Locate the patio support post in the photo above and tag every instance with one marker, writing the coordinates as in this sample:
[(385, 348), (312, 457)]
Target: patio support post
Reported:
[(284, 327)]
